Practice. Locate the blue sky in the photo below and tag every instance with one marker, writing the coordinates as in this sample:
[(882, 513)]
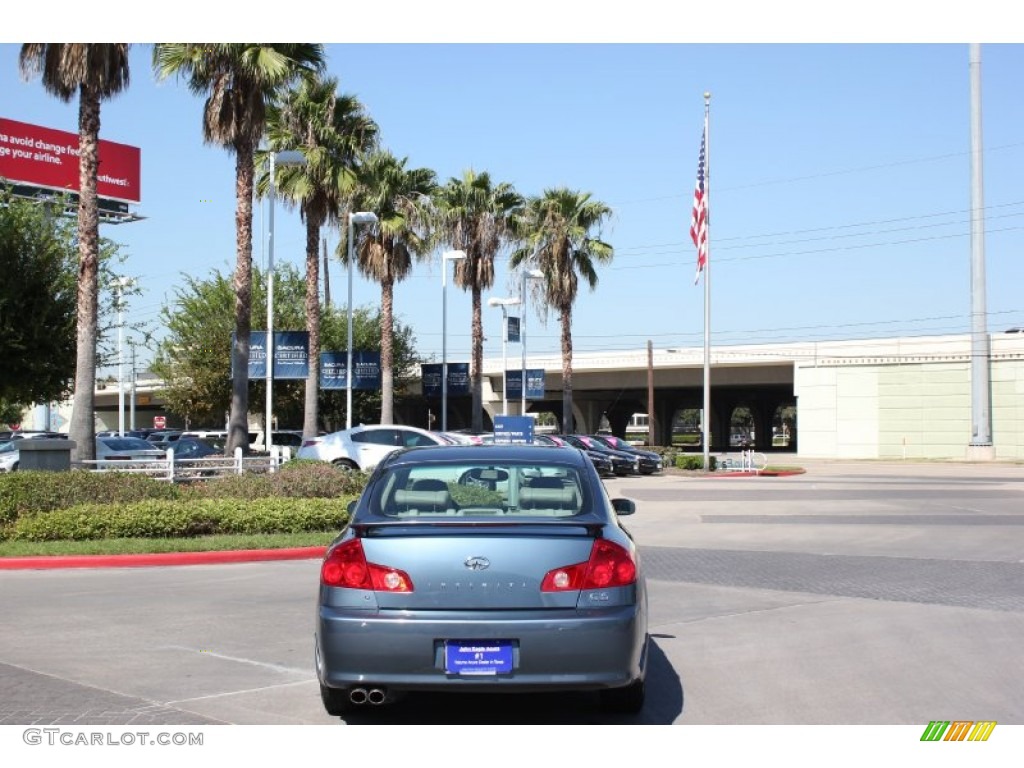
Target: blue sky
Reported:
[(839, 175)]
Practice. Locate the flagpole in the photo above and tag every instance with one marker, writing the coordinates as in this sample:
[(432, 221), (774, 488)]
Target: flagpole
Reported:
[(707, 287)]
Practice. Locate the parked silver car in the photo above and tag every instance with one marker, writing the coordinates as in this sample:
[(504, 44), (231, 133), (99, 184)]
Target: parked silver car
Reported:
[(365, 446), (492, 568), (115, 452)]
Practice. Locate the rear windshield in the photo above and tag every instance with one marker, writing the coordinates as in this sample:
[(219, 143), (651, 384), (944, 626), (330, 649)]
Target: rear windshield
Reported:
[(128, 444), (480, 490)]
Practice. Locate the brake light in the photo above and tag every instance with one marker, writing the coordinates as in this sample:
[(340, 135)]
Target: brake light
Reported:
[(346, 567), (308, 443), (609, 566)]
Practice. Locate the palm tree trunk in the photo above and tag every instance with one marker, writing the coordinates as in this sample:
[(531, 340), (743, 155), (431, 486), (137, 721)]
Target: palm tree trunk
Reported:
[(238, 422), (83, 424), (387, 349), (566, 320), (477, 364), (309, 422)]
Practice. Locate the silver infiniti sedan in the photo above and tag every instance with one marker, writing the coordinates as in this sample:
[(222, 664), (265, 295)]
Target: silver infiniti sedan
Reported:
[(480, 569)]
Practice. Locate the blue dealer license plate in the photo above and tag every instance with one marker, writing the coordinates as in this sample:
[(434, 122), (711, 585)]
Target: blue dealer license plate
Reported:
[(478, 657)]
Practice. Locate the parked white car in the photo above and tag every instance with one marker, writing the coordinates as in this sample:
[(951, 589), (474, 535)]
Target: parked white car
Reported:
[(9, 456), (363, 447)]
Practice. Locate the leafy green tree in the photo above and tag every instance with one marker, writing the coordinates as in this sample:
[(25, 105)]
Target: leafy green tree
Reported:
[(558, 231), (239, 81), (331, 131), (93, 72), (194, 359), (37, 304), (400, 197), (475, 215)]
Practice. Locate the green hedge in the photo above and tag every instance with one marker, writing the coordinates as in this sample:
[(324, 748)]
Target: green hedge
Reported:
[(26, 493), (303, 496), (694, 461), (198, 517)]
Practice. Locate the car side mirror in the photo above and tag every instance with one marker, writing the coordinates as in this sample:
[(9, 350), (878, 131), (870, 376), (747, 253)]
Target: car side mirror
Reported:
[(352, 508), (623, 506)]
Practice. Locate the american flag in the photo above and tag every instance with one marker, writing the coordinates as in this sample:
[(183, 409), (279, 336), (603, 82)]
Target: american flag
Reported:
[(699, 221)]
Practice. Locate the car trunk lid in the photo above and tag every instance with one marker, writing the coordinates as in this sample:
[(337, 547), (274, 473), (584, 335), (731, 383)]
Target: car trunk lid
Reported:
[(485, 566)]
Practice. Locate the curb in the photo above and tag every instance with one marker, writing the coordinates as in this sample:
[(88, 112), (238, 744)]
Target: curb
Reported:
[(46, 562)]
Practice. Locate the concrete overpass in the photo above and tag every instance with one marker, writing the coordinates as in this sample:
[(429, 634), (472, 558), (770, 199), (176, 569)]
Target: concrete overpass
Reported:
[(869, 398)]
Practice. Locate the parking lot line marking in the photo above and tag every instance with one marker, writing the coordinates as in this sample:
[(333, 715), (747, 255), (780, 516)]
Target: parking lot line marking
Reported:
[(310, 679), (240, 660)]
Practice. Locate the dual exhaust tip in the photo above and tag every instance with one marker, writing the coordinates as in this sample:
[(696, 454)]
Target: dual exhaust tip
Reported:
[(374, 696)]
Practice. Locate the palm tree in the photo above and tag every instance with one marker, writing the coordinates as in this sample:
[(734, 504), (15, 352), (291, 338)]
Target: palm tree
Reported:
[(239, 81), (95, 71), (331, 131), (476, 216), (556, 230), (400, 197)]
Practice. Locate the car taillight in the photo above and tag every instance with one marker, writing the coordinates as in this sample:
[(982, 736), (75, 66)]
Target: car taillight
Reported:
[(346, 567), (308, 443), (609, 566)]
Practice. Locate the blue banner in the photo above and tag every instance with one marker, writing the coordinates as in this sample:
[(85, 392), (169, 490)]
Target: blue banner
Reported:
[(291, 354), (458, 379), (534, 384), (513, 330), (334, 370)]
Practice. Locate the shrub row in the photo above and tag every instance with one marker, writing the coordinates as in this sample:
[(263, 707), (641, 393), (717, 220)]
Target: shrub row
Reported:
[(158, 518), (30, 493), (694, 461)]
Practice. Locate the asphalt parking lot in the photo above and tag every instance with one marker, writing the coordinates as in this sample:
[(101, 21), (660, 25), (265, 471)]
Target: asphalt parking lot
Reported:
[(857, 593)]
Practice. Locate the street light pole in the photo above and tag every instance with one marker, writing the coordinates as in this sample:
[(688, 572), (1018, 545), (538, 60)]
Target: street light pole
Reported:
[(268, 345), (504, 303), (445, 258), (286, 158), (360, 217), (528, 274), (120, 284)]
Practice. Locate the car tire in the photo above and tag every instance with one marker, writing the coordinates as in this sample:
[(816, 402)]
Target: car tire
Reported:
[(336, 701), (347, 464), (628, 700)]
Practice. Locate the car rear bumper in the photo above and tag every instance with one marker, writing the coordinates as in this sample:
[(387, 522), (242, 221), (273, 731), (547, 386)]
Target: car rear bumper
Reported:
[(552, 650)]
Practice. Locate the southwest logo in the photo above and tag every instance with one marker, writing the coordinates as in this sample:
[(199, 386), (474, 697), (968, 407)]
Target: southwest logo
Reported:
[(958, 730)]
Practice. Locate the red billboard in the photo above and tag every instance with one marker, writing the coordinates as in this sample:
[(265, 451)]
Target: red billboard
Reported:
[(44, 157)]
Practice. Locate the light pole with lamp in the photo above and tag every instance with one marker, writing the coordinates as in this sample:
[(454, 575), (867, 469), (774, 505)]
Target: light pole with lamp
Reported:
[(504, 304), (289, 157), (528, 274), (445, 258), (360, 217), (120, 284)]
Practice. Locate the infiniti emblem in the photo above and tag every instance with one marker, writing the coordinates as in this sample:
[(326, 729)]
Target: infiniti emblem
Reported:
[(477, 563)]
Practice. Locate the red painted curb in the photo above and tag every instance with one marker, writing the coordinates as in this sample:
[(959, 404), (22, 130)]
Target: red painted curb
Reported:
[(43, 562)]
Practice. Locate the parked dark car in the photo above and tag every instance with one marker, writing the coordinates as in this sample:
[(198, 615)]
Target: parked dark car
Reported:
[(650, 462), (188, 448), (622, 463), (482, 569), (602, 462)]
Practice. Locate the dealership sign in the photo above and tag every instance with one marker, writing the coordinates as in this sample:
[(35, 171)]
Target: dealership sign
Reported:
[(44, 157), (291, 354), (534, 384), (334, 370), (458, 379)]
